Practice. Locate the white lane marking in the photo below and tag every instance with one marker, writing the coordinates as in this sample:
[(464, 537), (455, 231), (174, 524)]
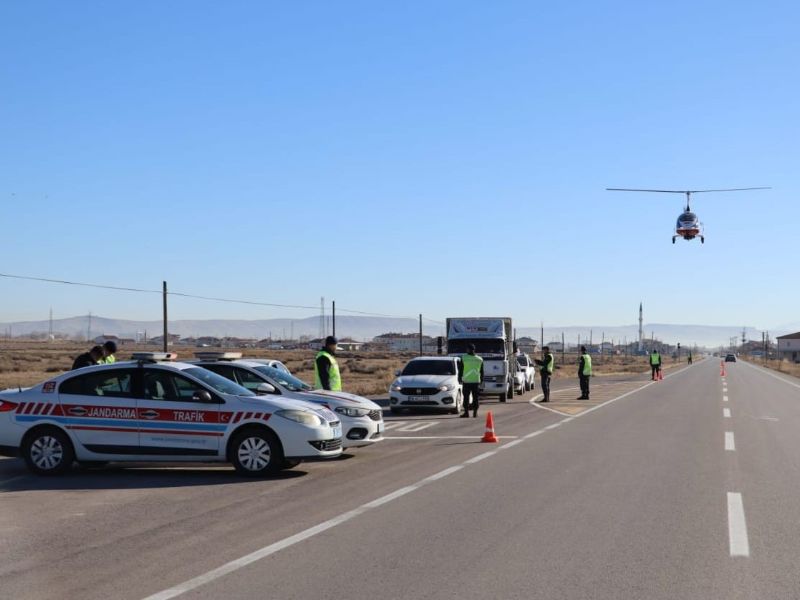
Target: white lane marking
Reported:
[(480, 457), (730, 443), (768, 419), (724, 398), (773, 375), (389, 497), (387, 425), (266, 551), (445, 437), (510, 444), (737, 526), (726, 413), (553, 426), (444, 473), (417, 426)]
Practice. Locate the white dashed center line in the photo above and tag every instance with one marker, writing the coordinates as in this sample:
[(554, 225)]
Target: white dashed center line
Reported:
[(737, 526), (730, 444), (724, 398), (726, 412)]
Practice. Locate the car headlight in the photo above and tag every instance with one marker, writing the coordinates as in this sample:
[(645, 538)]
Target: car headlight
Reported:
[(396, 387), (352, 412), (301, 416), (447, 388)]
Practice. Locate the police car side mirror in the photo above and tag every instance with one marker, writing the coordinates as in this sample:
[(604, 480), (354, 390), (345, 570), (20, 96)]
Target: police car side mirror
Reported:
[(202, 396), (265, 388)]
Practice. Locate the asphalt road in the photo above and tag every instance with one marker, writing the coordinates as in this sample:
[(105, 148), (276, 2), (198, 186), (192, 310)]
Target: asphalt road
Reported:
[(684, 488)]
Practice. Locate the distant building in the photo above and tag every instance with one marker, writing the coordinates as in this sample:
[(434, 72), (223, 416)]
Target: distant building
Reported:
[(789, 346), (406, 342)]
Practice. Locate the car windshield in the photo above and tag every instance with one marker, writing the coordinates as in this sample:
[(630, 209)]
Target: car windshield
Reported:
[(481, 346), (218, 382), (283, 378), (522, 361), (430, 367)]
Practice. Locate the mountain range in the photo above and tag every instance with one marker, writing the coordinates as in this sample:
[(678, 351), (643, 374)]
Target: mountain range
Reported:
[(365, 328)]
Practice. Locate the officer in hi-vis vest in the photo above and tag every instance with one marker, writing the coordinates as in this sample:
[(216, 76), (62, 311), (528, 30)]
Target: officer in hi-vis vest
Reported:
[(471, 375), (655, 364), (584, 373), (546, 367), (326, 369)]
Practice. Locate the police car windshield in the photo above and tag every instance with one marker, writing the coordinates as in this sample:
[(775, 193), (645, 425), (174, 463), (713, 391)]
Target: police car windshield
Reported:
[(522, 361), (218, 382), (284, 379), (430, 367)]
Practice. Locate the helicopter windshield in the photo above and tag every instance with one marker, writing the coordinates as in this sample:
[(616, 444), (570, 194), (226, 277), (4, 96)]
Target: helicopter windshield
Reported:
[(687, 217)]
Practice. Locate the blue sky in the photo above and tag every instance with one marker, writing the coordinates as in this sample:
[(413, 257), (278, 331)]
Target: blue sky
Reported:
[(448, 158)]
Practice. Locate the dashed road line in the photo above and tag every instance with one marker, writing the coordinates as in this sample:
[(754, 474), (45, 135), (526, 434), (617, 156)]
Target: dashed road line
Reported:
[(726, 413), (730, 443), (738, 542), (724, 398)]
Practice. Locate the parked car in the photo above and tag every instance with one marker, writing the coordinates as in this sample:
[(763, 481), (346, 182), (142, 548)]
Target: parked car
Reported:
[(153, 409), (427, 382), (362, 419), (526, 365)]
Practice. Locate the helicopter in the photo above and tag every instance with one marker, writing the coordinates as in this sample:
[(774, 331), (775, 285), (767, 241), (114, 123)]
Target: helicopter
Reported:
[(688, 225)]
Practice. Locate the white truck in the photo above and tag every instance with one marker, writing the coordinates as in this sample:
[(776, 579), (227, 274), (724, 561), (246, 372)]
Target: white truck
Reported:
[(493, 340)]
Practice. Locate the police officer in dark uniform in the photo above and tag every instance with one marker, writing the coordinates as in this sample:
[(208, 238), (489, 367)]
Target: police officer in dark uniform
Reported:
[(547, 365), (87, 359)]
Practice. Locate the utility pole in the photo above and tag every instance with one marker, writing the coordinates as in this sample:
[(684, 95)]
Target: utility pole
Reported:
[(420, 334), (541, 334), (166, 328), (50, 329), (89, 328), (563, 347), (333, 318)]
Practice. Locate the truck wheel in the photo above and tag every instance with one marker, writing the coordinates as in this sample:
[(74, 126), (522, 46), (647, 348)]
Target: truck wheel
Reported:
[(48, 451)]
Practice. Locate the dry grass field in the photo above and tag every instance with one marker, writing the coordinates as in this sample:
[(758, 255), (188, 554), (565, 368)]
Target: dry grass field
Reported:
[(24, 363), (784, 366)]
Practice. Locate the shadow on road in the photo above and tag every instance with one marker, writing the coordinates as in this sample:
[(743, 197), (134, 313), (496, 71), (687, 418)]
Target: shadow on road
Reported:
[(134, 476)]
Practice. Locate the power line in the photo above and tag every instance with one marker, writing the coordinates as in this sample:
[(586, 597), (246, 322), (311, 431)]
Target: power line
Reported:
[(200, 297)]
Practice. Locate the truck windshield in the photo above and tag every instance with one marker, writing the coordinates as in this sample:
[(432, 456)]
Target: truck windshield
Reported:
[(481, 346), (430, 367)]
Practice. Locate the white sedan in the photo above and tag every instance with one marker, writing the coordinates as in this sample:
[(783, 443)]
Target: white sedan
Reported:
[(152, 409), (362, 419), (428, 382)]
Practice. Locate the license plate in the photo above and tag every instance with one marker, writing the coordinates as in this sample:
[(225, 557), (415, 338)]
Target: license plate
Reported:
[(417, 399), (337, 432)]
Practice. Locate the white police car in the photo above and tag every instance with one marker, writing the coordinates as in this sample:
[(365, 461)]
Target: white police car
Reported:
[(362, 419), (151, 409)]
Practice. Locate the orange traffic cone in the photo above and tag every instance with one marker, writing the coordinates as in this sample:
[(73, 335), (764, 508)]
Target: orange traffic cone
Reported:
[(489, 437), (722, 368), (660, 375)]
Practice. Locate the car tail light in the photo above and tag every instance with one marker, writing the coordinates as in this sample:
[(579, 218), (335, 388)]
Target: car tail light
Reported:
[(6, 406)]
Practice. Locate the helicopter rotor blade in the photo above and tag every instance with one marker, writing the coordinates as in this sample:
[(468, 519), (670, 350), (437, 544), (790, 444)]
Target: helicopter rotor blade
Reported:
[(686, 191)]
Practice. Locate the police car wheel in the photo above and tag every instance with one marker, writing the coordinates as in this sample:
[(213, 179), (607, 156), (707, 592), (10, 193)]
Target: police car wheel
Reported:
[(256, 452), (48, 451)]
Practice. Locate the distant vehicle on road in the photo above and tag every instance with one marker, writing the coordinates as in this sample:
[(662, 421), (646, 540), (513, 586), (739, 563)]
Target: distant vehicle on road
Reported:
[(730, 358), (154, 410), (494, 343), (428, 382), (526, 366)]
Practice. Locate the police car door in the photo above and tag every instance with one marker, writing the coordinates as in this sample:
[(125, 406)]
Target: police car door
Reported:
[(99, 409), (174, 420)]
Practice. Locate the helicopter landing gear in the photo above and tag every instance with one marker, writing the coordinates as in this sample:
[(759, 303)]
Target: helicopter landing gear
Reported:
[(702, 240), (674, 237)]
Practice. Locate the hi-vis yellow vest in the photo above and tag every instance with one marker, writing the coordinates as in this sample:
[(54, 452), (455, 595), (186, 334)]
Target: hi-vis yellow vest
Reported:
[(472, 368), (587, 364), (655, 358), (334, 377)]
